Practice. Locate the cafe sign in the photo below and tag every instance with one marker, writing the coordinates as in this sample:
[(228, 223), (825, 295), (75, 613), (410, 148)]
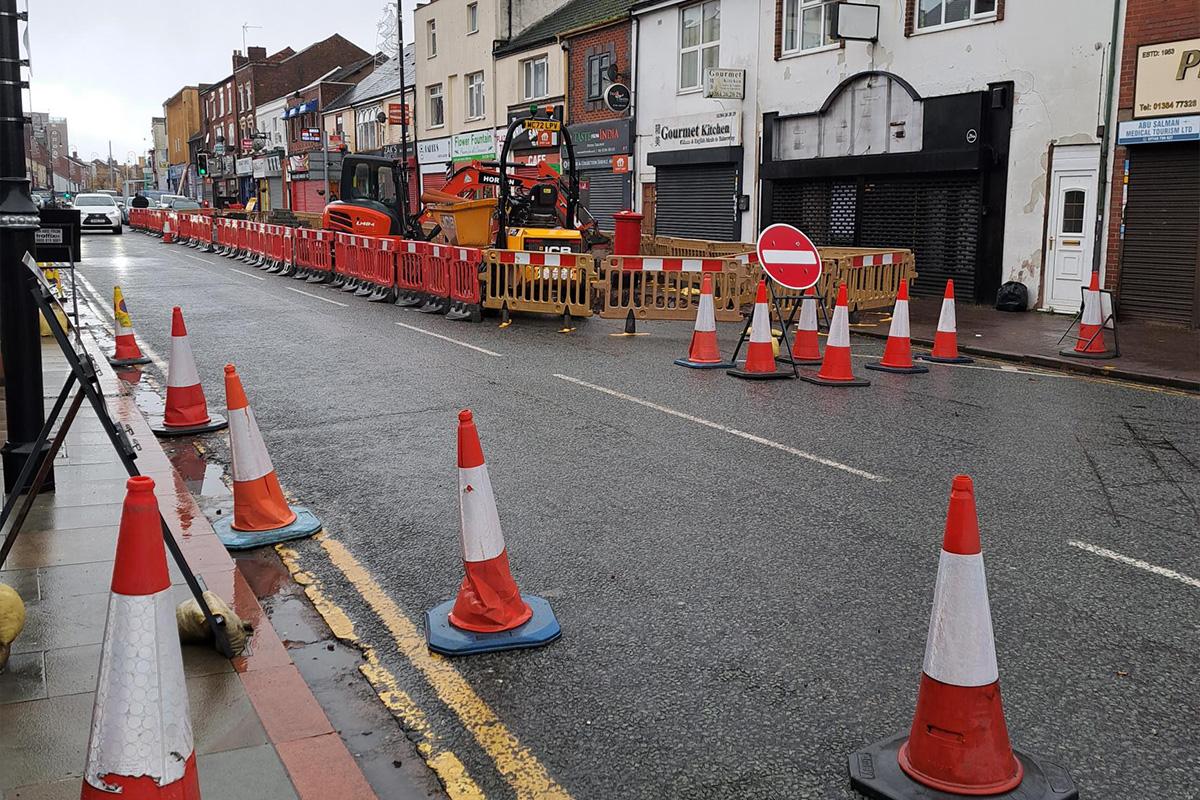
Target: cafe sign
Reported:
[(696, 131), (1168, 79)]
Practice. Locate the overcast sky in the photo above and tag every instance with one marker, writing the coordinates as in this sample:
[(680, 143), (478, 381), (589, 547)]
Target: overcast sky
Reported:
[(108, 65)]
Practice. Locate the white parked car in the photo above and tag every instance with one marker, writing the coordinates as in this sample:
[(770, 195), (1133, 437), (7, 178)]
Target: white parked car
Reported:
[(98, 211), (165, 200)]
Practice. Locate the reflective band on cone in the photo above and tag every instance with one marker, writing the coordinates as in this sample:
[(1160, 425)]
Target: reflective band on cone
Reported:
[(704, 352), (836, 369), (186, 404), (258, 502), (760, 352), (168, 236), (945, 340), (897, 353), (489, 612), (806, 349), (141, 744)]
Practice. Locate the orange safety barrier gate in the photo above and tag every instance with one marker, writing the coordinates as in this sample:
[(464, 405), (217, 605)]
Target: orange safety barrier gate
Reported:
[(410, 291), (465, 286), (313, 255), (279, 249)]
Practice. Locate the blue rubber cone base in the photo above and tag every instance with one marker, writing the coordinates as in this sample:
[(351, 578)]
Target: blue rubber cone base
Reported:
[(777, 375), (127, 362), (936, 360), (879, 366), (442, 637), (306, 524), (683, 362), (813, 377), (875, 772), (215, 423), (1076, 354)]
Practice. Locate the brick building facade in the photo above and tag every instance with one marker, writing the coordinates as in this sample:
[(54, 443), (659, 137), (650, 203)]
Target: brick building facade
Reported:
[(1154, 198)]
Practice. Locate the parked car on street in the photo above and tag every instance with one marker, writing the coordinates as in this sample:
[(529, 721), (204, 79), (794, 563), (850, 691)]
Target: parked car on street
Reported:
[(97, 210), (183, 204), (164, 201), (152, 195)]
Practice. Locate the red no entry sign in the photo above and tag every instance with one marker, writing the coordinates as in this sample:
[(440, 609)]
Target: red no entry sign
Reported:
[(789, 257)]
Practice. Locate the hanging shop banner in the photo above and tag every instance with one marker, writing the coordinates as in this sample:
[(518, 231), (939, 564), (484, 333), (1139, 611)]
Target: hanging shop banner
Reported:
[(696, 131), (298, 165)]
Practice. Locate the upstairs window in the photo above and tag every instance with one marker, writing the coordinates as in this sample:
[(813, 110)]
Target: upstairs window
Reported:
[(597, 66), (535, 76), (939, 13), (475, 97), (437, 106), (431, 36), (473, 18), (807, 25), (699, 43)]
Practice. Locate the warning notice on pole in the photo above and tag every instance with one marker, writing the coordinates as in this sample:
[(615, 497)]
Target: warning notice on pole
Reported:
[(48, 236)]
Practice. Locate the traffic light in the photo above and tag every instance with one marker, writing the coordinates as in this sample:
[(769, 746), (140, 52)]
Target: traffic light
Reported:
[(202, 165)]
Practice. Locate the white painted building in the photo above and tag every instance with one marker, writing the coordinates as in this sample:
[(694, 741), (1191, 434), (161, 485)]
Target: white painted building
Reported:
[(946, 134)]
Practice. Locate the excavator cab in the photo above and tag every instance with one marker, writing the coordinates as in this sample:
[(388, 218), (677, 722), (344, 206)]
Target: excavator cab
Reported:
[(369, 206)]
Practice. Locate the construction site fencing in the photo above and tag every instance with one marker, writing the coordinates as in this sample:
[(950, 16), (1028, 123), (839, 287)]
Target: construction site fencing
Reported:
[(669, 288), (872, 278), (691, 248), (365, 265), (540, 283), (313, 255)]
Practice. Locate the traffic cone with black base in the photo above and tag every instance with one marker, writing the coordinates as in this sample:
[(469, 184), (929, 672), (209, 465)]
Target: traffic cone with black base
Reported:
[(945, 340), (836, 369), (186, 412), (704, 352), (806, 346), (127, 352), (897, 353), (1090, 341), (261, 514), (490, 613), (141, 745), (168, 235), (760, 351), (958, 745)]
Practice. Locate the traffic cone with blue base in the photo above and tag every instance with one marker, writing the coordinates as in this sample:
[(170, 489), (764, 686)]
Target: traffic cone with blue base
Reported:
[(704, 352), (261, 514), (127, 352), (141, 744), (945, 339), (760, 351), (958, 744), (897, 353), (489, 613), (186, 411), (836, 369)]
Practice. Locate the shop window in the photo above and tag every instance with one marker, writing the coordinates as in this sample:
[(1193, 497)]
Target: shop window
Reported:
[(699, 42), (596, 67), (807, 25), (933, 14), (534, 78), (437, 106)]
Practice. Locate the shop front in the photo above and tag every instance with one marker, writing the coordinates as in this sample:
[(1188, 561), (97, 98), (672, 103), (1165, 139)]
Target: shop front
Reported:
[(697, 161), (603, 155), (268, 177), (244, 170)]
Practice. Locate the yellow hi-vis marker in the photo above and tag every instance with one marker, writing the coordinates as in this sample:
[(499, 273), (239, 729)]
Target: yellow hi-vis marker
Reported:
[(519, 767)]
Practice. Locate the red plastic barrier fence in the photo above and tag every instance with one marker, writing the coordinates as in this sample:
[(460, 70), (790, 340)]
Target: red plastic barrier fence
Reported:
[(464, 274), (435, 270), (408, 273), (314, 252)]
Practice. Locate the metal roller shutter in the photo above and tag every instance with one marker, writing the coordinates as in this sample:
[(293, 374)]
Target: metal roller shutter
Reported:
[(936, 216), (1162, 233), (275, 188), (606, 194), (698, 201), (432, 181)]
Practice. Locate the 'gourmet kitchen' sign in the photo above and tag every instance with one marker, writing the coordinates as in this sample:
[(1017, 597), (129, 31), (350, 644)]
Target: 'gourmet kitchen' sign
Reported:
[(695, 131)]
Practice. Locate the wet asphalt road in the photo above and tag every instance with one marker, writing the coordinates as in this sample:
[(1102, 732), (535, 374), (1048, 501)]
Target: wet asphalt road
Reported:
[(737, 617)]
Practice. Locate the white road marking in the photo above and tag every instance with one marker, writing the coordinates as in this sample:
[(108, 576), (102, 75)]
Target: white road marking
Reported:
[(315, 296), (827, 462), (1186, 580), (106, 307), (249, 275), (198, 258), (452, 341)]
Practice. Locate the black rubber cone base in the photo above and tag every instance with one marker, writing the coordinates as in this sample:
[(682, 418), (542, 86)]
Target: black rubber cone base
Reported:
[(938, 360), (215, 423), (879, 366), (813, 377), (777, 375), (127, 362), (802, 362), (1076, 354), (683, 362), (875, 772)]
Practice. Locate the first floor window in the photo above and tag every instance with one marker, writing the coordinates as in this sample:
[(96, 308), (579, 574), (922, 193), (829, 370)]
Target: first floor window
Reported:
[(437, 106), (472, 17), (597, 66), (475, 98), (807, 24), (366, 129), (534, 78), (431, 37), (934, 13), (699, 42)]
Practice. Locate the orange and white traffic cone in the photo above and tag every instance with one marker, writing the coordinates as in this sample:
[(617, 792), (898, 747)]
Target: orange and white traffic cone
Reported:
[(168, 236), (897, 353), (760, 352), (806, 347), (836, 369), (141, 745), (945, 340), (958, 743), (187, 409), (489, 612), (704, 352), (1090, 341), (127, 352), (261, 514)]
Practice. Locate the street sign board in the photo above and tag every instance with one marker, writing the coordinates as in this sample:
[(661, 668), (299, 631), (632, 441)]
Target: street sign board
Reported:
[(310, 134), (335, 140), (725, 84), (396, 113), (788, 256), (617, 97)]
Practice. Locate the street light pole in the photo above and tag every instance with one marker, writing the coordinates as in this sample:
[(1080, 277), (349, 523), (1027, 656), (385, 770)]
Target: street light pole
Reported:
[(20, 344)]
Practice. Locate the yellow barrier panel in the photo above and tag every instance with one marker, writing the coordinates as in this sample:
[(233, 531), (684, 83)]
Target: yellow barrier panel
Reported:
[(540, 283), (669, 288)]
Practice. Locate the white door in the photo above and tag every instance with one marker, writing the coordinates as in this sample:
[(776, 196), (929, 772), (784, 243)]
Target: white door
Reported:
[(1071, 229)]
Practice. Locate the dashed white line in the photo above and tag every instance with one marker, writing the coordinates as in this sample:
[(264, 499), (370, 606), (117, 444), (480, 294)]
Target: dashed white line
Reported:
[(198, 258), (452, 341), (1186, 580), (249, 275), (826, 462), (314, 296)]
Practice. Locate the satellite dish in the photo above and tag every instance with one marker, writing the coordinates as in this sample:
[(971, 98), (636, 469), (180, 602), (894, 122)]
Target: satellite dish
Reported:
[(611, 73)]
